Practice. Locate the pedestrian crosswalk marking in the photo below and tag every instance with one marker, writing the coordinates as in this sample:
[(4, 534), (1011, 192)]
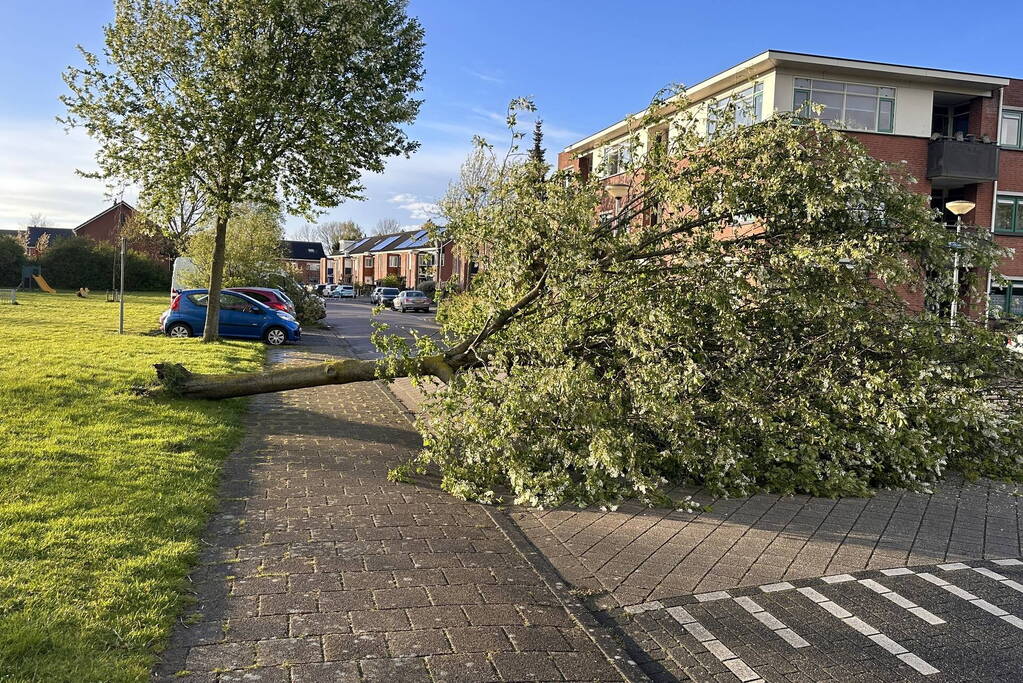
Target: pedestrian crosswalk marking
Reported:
[(771, 622), (866, 629), (973, 599), (902, 602), (743, 671)]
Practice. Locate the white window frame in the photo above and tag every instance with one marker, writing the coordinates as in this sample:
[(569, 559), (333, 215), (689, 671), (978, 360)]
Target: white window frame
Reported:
[(841, 123), (623, 156), (1012, 112), (396, 258), (749, 106)]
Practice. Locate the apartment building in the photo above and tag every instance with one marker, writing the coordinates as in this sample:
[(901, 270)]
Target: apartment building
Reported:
[(959, 134), (412, 256)]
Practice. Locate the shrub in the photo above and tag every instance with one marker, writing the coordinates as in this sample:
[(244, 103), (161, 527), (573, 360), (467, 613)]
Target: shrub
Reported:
[(12, 258), (309, 307), (429, 288), (390, 281), (77, 262)]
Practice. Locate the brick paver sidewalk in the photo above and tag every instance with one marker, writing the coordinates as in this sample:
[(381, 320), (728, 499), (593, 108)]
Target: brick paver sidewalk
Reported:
[(316, 568)]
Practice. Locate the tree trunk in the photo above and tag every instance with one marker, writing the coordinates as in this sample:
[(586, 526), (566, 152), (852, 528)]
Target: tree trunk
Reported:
[(216, 280), (176, 379)]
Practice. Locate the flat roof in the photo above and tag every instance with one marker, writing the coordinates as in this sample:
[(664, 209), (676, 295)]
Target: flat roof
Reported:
[(772, 59)]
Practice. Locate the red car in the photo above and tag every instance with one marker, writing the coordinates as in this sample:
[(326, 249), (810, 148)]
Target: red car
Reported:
[(274, 298)]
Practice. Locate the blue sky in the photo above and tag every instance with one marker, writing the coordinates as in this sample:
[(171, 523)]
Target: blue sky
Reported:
[(585, 63)]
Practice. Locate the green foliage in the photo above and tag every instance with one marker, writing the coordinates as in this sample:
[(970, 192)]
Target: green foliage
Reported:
[(280, 104), (253, 253), (390, 281), (309, 307), (77, 262), (103, 495), (617, 358), (12, 258)]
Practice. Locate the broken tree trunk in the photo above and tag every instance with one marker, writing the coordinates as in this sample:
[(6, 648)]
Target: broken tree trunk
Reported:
[(178, 380)]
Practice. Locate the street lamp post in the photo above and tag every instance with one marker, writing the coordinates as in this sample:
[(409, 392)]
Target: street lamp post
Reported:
[(960, 209)]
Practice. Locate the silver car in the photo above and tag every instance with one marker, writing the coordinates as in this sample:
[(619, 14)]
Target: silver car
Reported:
[(412, 299)]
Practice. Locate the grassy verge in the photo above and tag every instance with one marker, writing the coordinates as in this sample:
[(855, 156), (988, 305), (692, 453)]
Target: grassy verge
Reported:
[(102, 493)]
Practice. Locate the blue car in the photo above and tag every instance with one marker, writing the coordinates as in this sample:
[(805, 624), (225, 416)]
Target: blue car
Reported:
[(240, 316)]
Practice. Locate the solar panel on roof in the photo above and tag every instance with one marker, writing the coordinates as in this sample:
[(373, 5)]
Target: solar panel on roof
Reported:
[(407, 243), (421, 241), (385, 243), (359, 243)]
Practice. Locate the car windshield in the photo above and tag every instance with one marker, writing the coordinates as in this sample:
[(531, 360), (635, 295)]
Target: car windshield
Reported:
[(388, 290), (414, 293)]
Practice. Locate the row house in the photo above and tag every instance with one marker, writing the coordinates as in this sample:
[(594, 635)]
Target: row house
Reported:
[(959, 134), (412, 256)]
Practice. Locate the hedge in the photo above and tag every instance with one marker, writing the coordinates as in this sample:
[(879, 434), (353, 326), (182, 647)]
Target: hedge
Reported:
[(78, 262)]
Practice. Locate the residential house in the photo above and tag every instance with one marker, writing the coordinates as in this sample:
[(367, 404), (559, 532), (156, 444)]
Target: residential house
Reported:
[(959, 134), (412, 256), (34, 233), (306, 257)]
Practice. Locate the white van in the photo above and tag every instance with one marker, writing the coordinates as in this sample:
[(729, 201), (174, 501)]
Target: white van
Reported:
[(183, 267)]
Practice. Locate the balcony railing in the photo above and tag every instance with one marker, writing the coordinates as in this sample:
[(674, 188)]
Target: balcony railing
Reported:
[(961, 160)]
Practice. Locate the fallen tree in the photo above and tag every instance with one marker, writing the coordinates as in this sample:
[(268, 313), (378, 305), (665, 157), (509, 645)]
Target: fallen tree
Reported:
[(737, 320)]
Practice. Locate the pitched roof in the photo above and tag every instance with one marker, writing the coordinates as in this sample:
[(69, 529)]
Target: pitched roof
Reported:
[(392, 241), (125, 204), (307, 251), (35, 232)]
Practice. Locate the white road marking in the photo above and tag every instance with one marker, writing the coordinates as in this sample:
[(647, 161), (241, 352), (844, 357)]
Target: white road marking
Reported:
[(1008, 563), (974, 600), (644, 607), (837, 578), (897, 572), (708, 597), (775, 587), (1004, 580), (902, 602), (733, 662), (869, 631), (953, 566), (769, 620)]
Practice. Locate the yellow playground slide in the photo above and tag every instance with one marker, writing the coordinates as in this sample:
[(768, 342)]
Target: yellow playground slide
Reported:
[(43, 284)]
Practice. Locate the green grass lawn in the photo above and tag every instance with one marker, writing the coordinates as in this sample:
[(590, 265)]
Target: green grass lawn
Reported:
[(102, 493)]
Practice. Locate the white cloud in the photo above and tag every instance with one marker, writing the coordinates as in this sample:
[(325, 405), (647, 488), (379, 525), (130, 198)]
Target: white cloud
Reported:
[(418, 210), (488, 77), (37, 175)]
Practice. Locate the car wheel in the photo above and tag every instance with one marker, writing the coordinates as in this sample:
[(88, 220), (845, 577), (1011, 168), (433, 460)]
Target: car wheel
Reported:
[(275, 336), (179, 331)]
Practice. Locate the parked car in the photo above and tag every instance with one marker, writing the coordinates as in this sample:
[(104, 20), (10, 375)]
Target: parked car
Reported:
[(274, 298), (320, 290), (240, 316), (412, 299), (343, 292), (383, 295)]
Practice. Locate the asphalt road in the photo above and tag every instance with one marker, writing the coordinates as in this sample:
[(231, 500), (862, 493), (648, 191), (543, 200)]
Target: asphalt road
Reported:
[(353, 319)]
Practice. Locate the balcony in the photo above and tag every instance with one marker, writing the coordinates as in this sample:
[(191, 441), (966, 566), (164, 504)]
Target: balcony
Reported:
[(961, 160)]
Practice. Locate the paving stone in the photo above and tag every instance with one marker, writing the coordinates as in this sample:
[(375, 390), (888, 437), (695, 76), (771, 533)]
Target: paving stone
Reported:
[(326, 672), (468, 668), (349, 647), (418, 643), (526, 666)]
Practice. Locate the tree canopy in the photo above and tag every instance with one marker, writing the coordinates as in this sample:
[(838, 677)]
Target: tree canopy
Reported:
[(735, 320), (280, 104)]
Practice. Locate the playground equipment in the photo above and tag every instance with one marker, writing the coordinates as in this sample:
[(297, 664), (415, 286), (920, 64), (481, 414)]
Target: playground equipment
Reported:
[(10, 295), (43, 284)]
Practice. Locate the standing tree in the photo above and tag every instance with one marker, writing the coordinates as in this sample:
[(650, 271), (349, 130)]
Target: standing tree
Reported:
[(253, 248), (537, 152), (334, 233), (168, 233), (38, 220), (753, 337), (385, 226), (281, 104)]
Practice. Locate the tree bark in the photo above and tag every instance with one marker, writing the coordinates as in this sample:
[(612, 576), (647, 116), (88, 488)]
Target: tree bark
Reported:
[(180, 381), (210, 332)]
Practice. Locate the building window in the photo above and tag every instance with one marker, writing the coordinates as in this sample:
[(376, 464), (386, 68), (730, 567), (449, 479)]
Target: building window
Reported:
[(367, 261), (393, 260), (1009, 214), (847, 105), (749, 107), (1012, 129), (1008, 300), (616, 159)]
